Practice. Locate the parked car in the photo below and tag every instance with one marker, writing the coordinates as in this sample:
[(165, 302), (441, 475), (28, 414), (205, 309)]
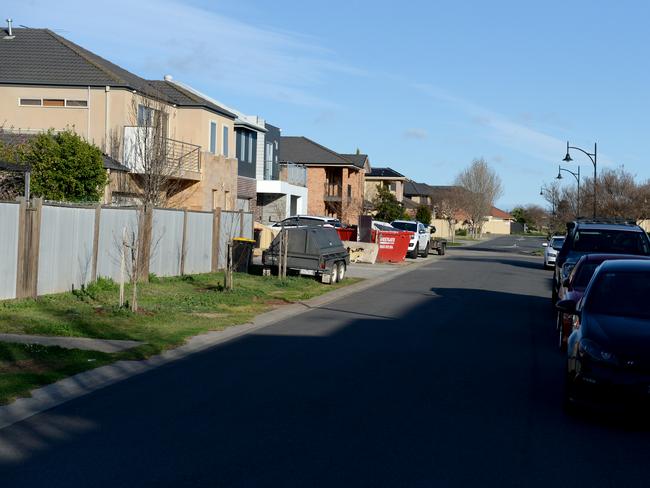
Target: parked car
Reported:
[(420, 240), (551, 249), (311, 250), (574, 286), (593, 236), (609, 349), (308, 220)]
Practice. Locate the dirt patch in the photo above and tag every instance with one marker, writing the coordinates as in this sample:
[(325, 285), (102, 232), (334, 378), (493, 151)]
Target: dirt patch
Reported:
[(23, 366), (276, 302)]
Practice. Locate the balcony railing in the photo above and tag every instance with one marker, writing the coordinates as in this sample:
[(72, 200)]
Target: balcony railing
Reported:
[(145, 151), (333, 192), (294, 174)]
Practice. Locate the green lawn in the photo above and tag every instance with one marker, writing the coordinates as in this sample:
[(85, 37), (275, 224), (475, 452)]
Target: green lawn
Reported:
[(171, 310)]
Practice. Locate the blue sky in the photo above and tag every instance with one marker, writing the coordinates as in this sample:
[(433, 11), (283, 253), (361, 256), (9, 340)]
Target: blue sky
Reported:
[(421, 86)]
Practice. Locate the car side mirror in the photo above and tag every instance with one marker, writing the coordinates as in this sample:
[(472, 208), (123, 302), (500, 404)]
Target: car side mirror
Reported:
[(545, 244), (567, 306)]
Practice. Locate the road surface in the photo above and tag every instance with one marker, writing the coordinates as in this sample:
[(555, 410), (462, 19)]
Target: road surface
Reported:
[(445, 376)]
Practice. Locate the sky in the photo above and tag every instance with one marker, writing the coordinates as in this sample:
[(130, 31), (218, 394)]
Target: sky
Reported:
[(423, 87)]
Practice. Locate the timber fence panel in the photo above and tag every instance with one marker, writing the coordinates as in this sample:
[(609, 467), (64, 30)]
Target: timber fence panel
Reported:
[(198, 251), (166, 242), (9, 220), (65, 248), (111, 227)]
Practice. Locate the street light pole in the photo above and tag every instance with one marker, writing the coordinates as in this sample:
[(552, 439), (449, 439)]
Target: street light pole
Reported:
[(577, 177), (594, 160)]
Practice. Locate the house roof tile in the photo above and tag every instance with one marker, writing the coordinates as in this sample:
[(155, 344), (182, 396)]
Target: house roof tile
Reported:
[(299, 149), (384, 173)]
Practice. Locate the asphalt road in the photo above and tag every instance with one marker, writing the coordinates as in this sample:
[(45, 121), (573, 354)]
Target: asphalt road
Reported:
[(445, 376)]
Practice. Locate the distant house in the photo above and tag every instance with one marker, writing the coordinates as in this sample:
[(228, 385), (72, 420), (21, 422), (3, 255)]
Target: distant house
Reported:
[(498, 222), (385, 178), (49, 82), (335, 182)]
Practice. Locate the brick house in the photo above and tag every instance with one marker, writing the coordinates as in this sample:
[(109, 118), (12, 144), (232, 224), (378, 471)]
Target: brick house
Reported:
[(335, 182), (384, 177)]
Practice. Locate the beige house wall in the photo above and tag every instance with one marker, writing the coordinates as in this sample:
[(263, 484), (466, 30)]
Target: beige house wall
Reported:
[(496, 226), (102, 123), (371, 188)]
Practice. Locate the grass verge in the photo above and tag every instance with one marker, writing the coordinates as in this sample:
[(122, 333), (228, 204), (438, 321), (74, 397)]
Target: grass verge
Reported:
[(170, 311)]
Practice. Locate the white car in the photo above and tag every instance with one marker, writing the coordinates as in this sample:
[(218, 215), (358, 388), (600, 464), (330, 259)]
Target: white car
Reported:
[(420, 239), (308, 220), (552, 248)]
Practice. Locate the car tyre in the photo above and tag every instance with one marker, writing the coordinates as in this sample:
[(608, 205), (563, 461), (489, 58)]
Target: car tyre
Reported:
[(341, 270), (334, 274), (414, 253), (425, 253)]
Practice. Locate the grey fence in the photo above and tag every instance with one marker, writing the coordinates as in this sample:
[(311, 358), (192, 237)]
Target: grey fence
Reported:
[(54, 248), (9, 218)]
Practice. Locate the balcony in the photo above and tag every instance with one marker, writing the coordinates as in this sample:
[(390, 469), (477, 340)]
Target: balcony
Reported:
[(294, 174), (147, 152), (333, 192)]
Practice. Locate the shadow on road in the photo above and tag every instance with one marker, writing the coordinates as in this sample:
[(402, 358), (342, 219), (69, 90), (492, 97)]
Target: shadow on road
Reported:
[(464, 389)]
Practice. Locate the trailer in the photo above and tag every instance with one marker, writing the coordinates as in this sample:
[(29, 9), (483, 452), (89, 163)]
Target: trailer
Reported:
[(437, 244), (315, 251)]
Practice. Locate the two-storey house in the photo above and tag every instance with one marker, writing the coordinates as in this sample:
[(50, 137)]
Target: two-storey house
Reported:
[(384, 178), (50, 83), (335, 182)]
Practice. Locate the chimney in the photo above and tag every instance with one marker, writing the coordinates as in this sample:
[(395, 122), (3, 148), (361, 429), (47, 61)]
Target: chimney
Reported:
[(10, 32), (168, 78)]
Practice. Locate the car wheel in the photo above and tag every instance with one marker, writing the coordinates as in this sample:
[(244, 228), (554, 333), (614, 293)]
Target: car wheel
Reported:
[(335, 274), (425, 253), (414, 252), (341, 270)]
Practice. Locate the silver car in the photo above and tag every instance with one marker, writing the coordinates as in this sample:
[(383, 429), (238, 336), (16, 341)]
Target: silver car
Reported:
[(552, 248)]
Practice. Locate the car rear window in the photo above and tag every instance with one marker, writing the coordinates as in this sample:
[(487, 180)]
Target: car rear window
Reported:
[(584, 274), (610, 241), (412, 226), (623, 294)]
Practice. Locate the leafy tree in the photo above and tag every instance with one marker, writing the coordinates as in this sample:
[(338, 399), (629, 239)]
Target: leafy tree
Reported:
[(386, 205), (423, 214), (64, 167)]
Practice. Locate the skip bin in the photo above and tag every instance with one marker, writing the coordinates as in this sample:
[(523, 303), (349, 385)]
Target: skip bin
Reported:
[(242, 254), (392, 245)]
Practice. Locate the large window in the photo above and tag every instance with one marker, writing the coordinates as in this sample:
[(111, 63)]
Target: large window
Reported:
[(213, 137), (250, 147), (225, 141)]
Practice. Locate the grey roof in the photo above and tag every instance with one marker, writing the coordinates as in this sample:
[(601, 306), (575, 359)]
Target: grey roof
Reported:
[(412, 188), (359, 160), (299, 149), (408, 203), (41, 57), (114, 164), (384, 173), (185, 98)]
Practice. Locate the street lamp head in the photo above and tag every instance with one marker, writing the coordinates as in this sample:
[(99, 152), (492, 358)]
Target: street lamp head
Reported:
[(567, 158), (559, 176), (541, 192)]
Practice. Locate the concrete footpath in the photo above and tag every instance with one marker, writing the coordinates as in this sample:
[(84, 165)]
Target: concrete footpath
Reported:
[(84, 343), (83, 383)]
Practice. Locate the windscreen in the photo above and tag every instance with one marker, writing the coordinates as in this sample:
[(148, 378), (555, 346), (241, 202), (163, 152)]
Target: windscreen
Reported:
[(623, 294), (557, 243), (611, 241), (412, 226)]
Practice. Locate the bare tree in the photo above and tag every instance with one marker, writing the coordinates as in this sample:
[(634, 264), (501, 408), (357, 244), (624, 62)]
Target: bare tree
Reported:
[(449, 206), (483, 187)]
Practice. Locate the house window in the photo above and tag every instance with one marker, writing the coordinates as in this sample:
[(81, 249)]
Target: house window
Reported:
[(225, 141), (349, 191), (250, 147), (145, 116), (33, 102), (76, 103), (392, 186), (53, 102), (213, 137), (242, 146)]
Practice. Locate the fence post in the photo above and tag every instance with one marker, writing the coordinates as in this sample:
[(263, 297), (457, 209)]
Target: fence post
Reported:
[(184, 241), (241, 223), (98, 214), (216, 234), (21, 271), (34, 240)]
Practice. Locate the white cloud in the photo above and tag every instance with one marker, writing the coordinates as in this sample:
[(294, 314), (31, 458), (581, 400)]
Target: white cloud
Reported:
[(157, 37), (415, 133)]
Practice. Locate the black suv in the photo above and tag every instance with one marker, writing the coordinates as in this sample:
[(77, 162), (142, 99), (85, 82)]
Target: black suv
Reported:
[(597, 236)]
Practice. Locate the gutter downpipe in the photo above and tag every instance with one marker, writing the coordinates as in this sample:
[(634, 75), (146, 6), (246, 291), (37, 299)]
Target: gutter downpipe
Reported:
[(88, 122), (107, 117)]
